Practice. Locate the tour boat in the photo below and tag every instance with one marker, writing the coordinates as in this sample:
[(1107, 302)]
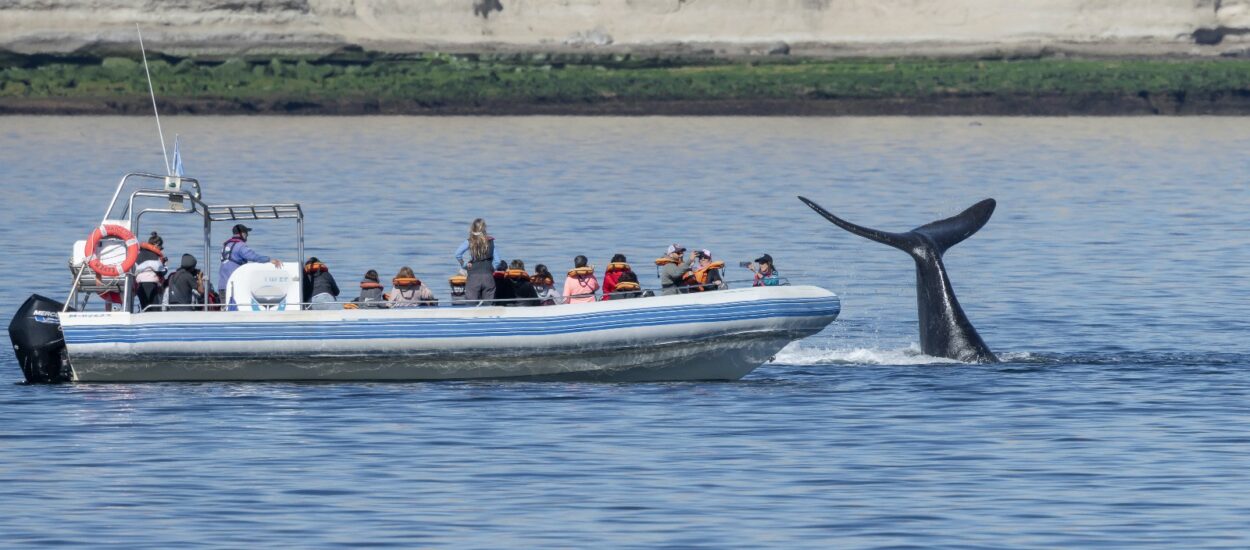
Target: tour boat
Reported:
[(265, 333)]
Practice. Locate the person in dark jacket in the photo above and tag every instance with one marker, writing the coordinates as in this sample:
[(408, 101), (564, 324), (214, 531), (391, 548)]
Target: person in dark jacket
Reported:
[(186, 286), (504, 293), (371, 291), (522, 285), (320, 289)]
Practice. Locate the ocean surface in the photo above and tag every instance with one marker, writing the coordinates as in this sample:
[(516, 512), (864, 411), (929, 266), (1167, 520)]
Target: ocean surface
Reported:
[(1112, 280)]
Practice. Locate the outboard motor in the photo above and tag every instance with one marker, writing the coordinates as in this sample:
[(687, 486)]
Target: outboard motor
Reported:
[(38, 342)]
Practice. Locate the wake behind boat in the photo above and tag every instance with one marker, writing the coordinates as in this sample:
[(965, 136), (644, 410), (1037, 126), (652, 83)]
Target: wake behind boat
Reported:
[(271, 335)]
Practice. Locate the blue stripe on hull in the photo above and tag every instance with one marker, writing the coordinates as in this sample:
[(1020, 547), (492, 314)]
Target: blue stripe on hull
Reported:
[(365, 329)]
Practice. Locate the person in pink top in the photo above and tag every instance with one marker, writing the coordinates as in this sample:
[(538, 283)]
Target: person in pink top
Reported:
[(581, 284)]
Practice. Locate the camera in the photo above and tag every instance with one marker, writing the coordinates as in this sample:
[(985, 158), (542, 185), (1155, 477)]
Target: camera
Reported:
[(744, 264)]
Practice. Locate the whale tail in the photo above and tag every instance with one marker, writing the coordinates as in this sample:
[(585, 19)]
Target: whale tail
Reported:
[(939, 236), (945, 330)]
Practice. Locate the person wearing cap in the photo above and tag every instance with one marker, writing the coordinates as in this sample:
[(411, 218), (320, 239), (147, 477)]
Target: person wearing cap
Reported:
[(235, 253), (765, 271), (673, 268), (707, 272)]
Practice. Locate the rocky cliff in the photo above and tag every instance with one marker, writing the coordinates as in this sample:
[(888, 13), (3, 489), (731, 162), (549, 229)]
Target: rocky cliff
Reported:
[(722, 27)]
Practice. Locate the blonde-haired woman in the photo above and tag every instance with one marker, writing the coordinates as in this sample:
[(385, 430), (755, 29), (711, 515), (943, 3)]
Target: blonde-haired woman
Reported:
[(480, 265)]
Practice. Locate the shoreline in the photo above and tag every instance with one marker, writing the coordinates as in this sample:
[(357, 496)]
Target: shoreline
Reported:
[(622, 85), (988, 105)]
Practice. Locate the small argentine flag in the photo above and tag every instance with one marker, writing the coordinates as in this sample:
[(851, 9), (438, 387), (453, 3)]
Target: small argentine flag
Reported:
[(177, 158)]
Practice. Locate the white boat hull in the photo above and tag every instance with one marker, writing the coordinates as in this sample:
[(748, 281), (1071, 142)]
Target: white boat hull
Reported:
[(707, 336)]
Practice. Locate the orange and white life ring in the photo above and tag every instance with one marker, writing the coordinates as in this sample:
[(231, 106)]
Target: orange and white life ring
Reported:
[(93, 255)]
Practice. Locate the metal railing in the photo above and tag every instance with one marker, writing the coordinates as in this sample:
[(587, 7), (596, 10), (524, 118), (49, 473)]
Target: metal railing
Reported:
[(455, 302), (179, 191), (173, 191)]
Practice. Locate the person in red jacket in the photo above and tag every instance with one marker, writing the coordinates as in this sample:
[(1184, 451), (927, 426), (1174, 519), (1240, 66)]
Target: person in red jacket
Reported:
[(616, 269)]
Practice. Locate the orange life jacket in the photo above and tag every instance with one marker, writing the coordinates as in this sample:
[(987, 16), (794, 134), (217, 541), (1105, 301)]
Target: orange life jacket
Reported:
[(152, 248), (315, 267), (545, 280), (617, 266), (701, 273), (627, 286), (581, 271), (458, 280), (406, 281), (518, 274), (370, 284)]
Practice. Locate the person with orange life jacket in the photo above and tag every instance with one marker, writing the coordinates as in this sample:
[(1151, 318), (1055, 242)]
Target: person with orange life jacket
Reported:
[(521, 285), (409, 292), (371, 292), (235, 253), (545, 287), (150, 271), (581, 284), (627, 287), (616, 268), (708, 273), (504, 296), (457, 283), (674, 270), (321, 291)]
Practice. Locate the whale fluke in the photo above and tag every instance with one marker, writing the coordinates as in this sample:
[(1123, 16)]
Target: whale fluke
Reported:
[(945, 330)]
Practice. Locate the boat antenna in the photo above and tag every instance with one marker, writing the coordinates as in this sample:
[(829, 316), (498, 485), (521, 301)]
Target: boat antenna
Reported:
[(152, 92)]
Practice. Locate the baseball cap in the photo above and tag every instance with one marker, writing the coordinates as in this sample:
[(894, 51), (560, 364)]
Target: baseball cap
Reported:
[(240, 228), (672, 248), (764, 259)]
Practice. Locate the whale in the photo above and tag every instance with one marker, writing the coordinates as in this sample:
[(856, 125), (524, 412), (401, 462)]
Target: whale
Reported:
[(945, 330)]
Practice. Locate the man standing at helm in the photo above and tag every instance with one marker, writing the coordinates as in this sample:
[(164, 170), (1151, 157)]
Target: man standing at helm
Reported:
[(235, 253)]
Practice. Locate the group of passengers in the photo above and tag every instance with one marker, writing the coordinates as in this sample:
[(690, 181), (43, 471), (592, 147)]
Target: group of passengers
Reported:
[(154, 285), (484, 277)]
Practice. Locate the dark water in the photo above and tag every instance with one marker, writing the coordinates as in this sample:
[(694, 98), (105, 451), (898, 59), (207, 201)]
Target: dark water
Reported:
[(1112, 279)]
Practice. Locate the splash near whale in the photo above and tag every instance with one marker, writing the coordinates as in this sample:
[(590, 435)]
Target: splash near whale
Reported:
[(945, 330)]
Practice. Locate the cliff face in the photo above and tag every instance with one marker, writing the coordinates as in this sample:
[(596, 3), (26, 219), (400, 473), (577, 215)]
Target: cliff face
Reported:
[(726, 27)]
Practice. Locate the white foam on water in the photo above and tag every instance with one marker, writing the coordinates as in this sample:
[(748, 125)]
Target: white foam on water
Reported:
[(1016, 357), (798, 354)]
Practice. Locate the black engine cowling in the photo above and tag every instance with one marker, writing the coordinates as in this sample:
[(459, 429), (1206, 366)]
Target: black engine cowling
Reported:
[(38, 342)]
